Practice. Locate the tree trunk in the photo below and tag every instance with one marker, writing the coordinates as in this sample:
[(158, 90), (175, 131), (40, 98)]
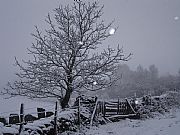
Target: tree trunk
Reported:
[(69, 90), (65, 100)]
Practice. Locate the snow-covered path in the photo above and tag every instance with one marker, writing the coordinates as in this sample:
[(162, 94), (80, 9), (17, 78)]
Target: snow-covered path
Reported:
[(166, 125)]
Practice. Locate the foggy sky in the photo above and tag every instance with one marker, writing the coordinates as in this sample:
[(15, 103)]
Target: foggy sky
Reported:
[(150, 29)]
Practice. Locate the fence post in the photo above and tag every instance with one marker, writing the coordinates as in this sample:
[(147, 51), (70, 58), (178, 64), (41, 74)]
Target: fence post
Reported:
[(100, 107), (79, 117), (104, 109), (79, 114), (55, 120), (118, 106), (94, 113), (127, 107), (21, 118)]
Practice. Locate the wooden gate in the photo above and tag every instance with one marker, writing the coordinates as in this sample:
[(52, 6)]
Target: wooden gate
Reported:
[(115, 109)]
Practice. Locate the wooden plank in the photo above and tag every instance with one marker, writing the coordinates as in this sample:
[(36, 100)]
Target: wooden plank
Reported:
[(110, 103), (94, 112), (131, 107), (121, 116), (111, 107), (108, 120), (110, 114), (118, 108), (112, 110)]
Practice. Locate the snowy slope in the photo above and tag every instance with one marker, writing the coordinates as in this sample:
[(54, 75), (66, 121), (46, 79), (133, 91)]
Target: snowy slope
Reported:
[(165, 125)]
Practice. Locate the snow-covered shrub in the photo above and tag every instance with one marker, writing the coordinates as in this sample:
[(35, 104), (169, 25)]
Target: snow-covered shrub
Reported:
[(43, 126), (172, 99), (8, 130), (67, 120), (66, 125), (159, 104)]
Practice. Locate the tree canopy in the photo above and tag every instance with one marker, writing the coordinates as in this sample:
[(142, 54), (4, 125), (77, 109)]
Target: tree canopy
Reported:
[(65, 57)]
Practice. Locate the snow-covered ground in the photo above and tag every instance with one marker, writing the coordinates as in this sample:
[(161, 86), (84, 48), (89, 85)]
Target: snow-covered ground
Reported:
[(168, 124), (164, 125), (12, 105)]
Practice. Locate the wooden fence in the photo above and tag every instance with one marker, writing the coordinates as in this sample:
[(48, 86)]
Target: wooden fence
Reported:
[(114, 109)]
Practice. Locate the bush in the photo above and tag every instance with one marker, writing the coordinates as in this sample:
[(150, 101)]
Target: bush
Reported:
[(158, 104)]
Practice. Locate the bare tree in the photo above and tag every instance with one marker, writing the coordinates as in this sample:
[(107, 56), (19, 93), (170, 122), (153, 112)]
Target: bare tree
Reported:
[(66, 57)]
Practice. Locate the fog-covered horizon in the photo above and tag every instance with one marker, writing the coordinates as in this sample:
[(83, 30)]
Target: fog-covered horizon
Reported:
[(148, 29)]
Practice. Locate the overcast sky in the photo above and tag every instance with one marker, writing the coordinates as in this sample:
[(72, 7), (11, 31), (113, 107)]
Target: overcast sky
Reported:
[(150, 29)]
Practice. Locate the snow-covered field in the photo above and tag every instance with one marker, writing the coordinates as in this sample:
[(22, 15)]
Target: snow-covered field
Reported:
[(12, 105), (168, 124), (164, 125)]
